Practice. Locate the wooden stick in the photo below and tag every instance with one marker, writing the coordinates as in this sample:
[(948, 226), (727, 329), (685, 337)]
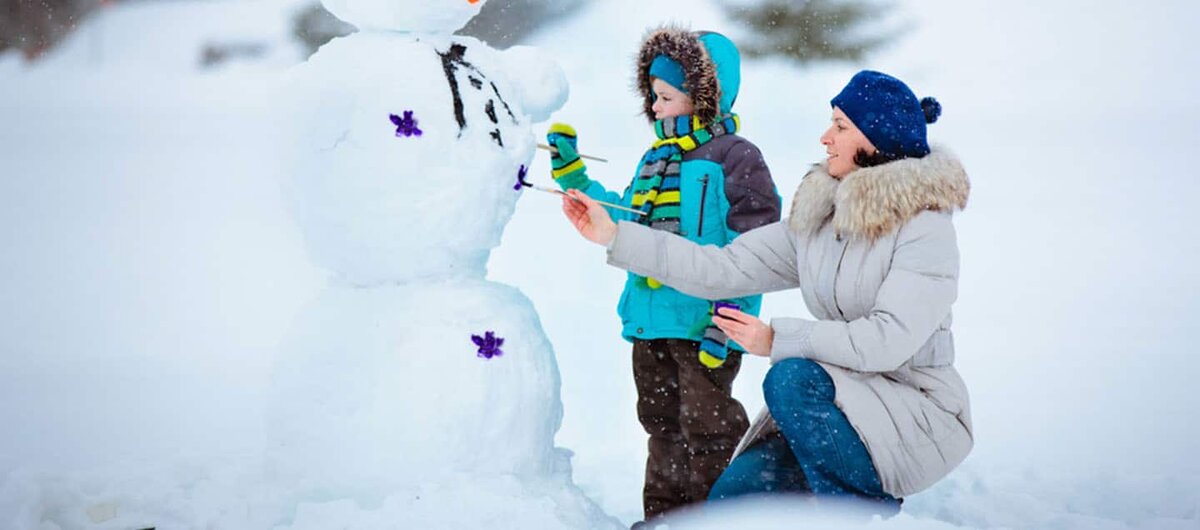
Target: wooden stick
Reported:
[(555, 150), (564, 194)]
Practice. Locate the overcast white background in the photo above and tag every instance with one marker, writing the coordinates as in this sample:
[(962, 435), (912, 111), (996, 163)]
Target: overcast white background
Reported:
[(150, 269)]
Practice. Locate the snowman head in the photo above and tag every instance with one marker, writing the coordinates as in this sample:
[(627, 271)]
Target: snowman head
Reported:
[(425, 16)]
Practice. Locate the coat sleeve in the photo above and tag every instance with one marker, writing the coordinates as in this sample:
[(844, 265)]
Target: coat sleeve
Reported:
[(753, 202), (597, 191), (759, 261), (914, 299), (749, 189)]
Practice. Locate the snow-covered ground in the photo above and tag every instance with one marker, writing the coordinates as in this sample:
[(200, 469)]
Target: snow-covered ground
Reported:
[(151, 270)]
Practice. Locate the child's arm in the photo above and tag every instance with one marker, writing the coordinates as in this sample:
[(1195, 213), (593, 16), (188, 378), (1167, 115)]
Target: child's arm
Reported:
[(570, 173), (753, 201), (750, 190)]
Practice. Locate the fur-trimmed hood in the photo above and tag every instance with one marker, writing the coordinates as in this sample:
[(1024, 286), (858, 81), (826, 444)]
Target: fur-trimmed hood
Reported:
[(711, 67), (870, 202)]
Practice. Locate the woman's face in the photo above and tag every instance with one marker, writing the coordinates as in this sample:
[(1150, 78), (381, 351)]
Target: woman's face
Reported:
[(842, 141), (669, 101)]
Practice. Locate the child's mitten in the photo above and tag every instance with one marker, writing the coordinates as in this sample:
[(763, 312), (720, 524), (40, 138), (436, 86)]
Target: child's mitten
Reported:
[(713, 349), (566, 167)]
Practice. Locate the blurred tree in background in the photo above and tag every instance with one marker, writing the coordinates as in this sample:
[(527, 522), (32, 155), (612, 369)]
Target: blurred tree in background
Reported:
[(314, 26), (804, 31), (34, 26), (501, 23), (809, 31), (504, 23)]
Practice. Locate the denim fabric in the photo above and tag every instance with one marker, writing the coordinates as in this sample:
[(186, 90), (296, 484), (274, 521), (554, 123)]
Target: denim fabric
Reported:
[(817, 450), (765, 467)]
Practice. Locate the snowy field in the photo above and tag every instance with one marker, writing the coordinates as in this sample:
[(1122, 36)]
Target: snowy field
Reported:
[(151, 269)]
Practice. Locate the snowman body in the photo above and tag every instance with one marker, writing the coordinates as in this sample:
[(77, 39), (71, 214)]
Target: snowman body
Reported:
[(410, 144)]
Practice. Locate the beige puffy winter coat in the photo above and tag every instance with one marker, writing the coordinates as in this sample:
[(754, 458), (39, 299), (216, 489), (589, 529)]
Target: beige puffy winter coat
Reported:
[(876, 260)]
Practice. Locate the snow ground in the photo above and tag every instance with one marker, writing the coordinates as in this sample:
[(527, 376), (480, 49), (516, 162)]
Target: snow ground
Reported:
[(151, 269)]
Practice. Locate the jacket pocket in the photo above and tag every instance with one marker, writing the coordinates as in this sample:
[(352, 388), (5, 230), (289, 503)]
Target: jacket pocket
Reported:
[(623, 306), (703, 199)]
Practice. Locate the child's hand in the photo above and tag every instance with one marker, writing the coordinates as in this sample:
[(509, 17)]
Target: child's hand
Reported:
[(590, 219), (753, 334), (566, 167)]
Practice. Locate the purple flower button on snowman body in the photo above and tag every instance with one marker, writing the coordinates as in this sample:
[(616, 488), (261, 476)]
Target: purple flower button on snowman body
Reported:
[(406, 126), (489, 345)]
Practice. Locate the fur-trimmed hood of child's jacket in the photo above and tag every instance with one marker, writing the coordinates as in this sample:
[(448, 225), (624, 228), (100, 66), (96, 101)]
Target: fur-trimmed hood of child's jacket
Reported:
[(870, 202), (711, 66)]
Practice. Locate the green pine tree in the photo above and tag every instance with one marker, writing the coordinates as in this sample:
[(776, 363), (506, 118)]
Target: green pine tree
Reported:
[(811, 31)]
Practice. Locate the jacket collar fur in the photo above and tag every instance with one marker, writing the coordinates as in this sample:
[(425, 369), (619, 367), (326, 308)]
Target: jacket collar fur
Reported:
[(873, 201), (700, 74)]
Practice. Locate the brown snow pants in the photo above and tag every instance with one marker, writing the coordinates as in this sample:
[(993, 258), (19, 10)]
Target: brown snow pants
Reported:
[(693, 421)]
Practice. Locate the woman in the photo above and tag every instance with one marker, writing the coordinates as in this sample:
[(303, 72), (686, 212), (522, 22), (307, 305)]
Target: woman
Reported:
[(863, 402)]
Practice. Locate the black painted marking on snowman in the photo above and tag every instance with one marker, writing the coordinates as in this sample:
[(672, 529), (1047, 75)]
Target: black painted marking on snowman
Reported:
[(490, 109), (452, 60)]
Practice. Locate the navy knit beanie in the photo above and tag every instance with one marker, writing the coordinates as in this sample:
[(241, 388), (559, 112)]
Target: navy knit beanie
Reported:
[(670, 71), (888, 113)]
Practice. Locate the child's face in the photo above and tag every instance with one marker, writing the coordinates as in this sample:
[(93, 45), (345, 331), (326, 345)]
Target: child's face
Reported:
[(669, 101)]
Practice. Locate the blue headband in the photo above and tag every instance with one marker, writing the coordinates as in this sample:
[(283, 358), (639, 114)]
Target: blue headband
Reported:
[(669, 71)]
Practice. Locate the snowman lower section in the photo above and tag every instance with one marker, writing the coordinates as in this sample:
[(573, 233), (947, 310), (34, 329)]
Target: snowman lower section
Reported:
[(234, 494), (483, 502), (382, 388)]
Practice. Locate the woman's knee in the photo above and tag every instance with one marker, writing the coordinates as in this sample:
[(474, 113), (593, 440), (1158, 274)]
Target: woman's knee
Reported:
[(766, 466), (797, 378)]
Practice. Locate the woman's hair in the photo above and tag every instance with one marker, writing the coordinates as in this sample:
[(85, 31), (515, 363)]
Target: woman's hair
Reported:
[(864, 159)]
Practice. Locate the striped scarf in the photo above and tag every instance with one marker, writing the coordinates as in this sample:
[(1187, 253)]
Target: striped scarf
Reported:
[(656, 188)]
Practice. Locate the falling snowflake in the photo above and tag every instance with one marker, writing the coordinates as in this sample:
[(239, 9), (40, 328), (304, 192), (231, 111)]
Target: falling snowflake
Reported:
[(489, 345), (521, 178), (406, 126)]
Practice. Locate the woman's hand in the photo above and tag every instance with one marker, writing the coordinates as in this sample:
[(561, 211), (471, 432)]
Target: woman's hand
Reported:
[(753, 334), (590, 219)]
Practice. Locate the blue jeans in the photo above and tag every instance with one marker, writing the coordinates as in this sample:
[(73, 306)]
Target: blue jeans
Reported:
[(816, 452)]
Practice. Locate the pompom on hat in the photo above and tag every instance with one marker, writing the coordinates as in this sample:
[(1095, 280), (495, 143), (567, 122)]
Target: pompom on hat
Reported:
[(888, 113)]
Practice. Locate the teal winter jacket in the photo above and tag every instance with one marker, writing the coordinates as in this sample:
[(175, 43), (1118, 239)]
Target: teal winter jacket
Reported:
[(725, 189)]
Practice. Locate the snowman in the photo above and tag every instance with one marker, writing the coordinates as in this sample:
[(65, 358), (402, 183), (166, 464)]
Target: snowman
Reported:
[(412, 377)]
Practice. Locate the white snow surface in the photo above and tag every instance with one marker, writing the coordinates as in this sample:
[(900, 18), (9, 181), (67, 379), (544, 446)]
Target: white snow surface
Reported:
[(155, 275), (540, 84)]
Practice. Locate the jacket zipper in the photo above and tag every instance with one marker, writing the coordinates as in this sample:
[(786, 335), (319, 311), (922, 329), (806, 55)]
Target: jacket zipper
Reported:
[(837, 273), (703, 196)]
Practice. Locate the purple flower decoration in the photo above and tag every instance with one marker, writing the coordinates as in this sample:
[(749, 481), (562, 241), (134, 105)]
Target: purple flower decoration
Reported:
[(406, 126), (489, 345), (521, 178)]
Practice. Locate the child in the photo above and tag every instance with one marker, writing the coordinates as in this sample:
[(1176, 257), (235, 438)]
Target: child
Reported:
[(703, 182)]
